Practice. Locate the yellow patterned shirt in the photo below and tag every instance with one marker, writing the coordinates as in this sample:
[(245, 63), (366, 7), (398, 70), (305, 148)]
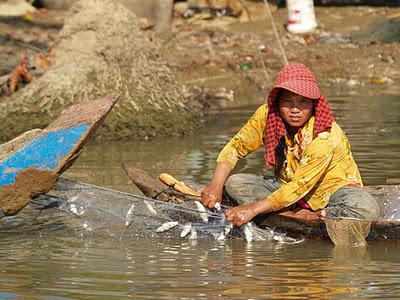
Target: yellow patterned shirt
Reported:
[(323, 165)]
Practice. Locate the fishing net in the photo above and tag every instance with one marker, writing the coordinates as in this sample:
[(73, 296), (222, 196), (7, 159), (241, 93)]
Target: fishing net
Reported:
[(347, 231), (92, 209), (353, 232)]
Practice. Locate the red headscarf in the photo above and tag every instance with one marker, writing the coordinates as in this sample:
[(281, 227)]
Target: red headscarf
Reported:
[(298, 79)]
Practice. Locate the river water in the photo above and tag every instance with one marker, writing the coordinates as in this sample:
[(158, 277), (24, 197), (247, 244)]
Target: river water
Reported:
[(61, 264)]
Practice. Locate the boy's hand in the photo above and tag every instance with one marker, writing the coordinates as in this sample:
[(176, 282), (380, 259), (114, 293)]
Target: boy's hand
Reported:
[(241, 214), (211, 195)]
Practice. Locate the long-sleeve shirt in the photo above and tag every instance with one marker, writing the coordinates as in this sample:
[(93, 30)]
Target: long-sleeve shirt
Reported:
[(313, 169)]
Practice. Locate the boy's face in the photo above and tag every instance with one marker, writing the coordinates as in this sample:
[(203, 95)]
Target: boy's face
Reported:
[(294, 109)]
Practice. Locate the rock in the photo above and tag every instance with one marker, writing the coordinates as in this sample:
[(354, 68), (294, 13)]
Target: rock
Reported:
[(57, 4), (386, 31), (101, 53)]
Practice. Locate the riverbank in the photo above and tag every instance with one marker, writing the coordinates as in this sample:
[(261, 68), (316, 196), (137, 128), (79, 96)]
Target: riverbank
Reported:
[(242, 57), (233, 54)]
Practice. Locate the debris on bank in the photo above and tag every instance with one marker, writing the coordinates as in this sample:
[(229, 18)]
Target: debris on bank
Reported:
[(386, 31), (212, 9), (208, 99)]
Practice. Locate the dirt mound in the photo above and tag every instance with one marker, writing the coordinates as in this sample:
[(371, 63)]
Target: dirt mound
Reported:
[(386, 31), (102, 51)]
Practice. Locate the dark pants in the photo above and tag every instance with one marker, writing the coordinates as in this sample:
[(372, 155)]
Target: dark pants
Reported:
[(346, 202)]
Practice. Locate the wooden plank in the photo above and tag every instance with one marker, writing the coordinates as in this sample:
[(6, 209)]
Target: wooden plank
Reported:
[(152, 187)]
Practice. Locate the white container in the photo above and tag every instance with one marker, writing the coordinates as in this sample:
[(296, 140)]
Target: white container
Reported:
[(301, 16)]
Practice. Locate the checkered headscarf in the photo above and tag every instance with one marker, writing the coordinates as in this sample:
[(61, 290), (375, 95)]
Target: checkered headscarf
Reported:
[(298, 79)]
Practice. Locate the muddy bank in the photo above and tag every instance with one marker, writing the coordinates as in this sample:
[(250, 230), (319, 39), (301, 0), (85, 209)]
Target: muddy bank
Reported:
[(202, 52), (101, 53), (223, 51)]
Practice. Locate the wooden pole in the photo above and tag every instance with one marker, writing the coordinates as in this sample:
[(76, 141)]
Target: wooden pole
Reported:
[(163, 15)]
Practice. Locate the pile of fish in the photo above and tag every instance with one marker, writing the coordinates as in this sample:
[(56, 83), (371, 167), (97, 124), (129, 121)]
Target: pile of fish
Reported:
[(90, 209), (219, 228)]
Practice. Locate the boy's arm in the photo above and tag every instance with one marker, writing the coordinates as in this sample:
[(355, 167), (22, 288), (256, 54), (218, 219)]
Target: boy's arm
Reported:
[(212, 194), (249, 138)]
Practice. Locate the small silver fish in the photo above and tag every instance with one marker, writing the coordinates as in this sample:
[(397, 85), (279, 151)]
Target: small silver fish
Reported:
[(73, 198), (186, 229), (150, 208), (248, 233), (202, 210), (278, 238), (74, 209), (217, 206), (283, 239), (193, 234), (221, 236), (86, 226), (166, 226), (129, 216), (228, 228)]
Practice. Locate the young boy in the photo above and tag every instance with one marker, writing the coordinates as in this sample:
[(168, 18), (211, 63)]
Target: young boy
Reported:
[(309, 152)]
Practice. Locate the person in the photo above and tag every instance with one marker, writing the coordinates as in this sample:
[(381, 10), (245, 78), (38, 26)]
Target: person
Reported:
[(310, 153)]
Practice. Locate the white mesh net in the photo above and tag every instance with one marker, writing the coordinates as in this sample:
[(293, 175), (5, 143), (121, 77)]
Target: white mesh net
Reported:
[(92, 209)]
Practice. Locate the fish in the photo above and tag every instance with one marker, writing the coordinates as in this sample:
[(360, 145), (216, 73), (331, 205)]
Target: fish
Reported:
[(86, 226), (150, 208), (73, 198), (228, 228), (202, 210), (278, 238), (74, 209), (248, 233), (221, 236), (166, 226), (283, 239), (129, 216), (186, 229), (193, 234), (217, 206)]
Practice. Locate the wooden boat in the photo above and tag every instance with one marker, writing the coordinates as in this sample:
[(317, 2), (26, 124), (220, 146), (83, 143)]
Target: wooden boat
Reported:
[(31, 163), (296, 223)]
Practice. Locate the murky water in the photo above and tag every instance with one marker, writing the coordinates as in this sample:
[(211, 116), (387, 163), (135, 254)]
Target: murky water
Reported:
[(61, 267), (61, 264), (372, 124)]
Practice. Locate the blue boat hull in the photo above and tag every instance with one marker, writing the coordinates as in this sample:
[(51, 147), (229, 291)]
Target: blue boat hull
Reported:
[(33, 168)]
